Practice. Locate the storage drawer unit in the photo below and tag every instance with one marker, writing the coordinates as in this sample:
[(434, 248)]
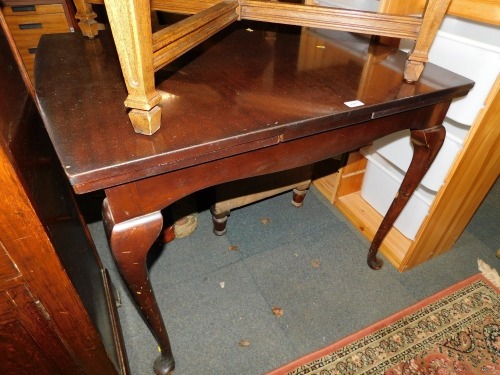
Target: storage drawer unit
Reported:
[(27, 22)]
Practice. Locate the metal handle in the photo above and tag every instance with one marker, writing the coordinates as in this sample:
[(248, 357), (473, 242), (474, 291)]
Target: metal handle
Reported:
[(30, 26), (23, 8)]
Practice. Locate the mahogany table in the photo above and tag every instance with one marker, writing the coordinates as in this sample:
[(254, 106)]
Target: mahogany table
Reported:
[(246, 103)]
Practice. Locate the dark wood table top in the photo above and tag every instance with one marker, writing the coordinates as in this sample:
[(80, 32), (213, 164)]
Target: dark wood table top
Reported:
[(243, 90)]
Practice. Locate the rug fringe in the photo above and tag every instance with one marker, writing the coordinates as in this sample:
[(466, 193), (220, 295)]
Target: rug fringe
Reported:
[(489, 273)]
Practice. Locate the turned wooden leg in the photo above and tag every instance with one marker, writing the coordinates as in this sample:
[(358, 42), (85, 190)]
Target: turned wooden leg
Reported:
[(130, 242), (219, 221), (130, 23), (298, 197), (426, 145), (167, 234), (87, 17)]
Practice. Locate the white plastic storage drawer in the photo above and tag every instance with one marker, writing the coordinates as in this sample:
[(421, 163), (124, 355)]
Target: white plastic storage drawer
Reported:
[(471, 49)]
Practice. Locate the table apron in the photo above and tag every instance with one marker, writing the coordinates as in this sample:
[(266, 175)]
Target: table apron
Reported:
[(154, 193)]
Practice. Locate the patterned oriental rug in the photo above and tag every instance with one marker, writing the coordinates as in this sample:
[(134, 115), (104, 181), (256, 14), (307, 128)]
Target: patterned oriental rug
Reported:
[(456, 331)]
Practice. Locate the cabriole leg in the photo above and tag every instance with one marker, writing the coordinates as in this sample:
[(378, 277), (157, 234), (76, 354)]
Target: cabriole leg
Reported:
[(130, 242), (426, 145)]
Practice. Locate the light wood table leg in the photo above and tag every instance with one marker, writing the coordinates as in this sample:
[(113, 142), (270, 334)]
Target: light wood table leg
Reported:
[(130, 23), (433, 16), (426, 145), (87, 17)]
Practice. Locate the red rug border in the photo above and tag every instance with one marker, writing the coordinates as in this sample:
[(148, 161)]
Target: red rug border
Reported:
[(377, 325)]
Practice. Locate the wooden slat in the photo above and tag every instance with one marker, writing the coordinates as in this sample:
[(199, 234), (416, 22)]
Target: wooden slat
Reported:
[(176, 6), (332, 18), (351, 175), (171, 42)]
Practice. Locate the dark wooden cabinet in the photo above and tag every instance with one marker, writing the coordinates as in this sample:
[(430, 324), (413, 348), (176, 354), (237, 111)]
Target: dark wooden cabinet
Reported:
[(57, 315)]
